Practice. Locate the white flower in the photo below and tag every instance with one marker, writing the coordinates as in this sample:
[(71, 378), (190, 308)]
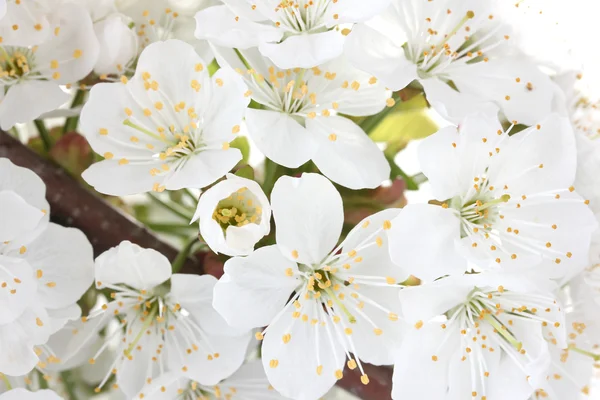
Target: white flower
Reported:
[(168, 322), (234, 215), (456, 51), (44, 270), (247, 383), (30, 76), (505, 201), (477, 337), (300, 120), (291, 33), (169, 127), (571, 370), (321, 302), (24, 394)]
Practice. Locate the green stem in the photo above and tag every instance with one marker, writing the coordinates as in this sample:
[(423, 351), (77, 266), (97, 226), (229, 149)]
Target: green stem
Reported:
[(172, 207), (595, 357), (371, 122), (272, 172), (68, 384), (183, 254), (44, 135), (6, 382), (169, 228), (72, 122)]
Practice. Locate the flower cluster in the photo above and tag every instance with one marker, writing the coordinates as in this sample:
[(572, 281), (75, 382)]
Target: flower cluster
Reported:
[(316, 264)]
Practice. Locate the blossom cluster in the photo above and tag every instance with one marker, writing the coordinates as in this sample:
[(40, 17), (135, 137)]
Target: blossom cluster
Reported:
[(488, 291)]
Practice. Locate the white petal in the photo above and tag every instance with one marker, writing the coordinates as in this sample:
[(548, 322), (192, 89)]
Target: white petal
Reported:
[(64, 263), (17, 356), (75, 34), (24, 394), (497, 79), (40, 97), (309, 215), (18, 217), (356, 10), (454, 105), (15, 297), (416, 375), (304, 51), (293, 367), (23, 182), (132, 265), (60, 316), (210, 371), (226, 106), (166, 386), (346, 155), (373, 52), (203, 168), (375, 259), (280, 137), (110, 177), (195, 294), (26, 16), (133, 373), (220, 26), (118, 44), (422, 241), (260, 286), (250, 383)]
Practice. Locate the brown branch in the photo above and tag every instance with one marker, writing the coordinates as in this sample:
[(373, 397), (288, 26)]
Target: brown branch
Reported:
[(105, 226), (75, 206)]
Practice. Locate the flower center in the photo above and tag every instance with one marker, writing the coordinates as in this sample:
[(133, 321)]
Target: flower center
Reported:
[(480, 213), (302, 16), (15, 63), (239, 209)]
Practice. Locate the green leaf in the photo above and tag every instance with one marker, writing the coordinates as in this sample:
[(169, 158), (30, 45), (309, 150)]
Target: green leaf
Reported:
[(403, 126), (245, 172), (241, 143)]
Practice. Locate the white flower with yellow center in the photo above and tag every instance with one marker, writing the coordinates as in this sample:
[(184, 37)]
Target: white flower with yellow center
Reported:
[(504, 201), (301, 121), (323, 304), (31, 75), (477, 337), (301, 33), (234, 214), (169, 127), (247, 383), (458, 52), (44, 270), (168, 322)]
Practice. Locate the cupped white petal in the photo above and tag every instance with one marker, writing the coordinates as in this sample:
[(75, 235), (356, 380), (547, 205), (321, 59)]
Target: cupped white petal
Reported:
[(24, 183), (132, 265), (31, 20), (304, 51), (260, 284), (422, 241), (346, 155), (18, 106), (63, 261), (280, 137), (309, 215), (248, 198), (303, 359)]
